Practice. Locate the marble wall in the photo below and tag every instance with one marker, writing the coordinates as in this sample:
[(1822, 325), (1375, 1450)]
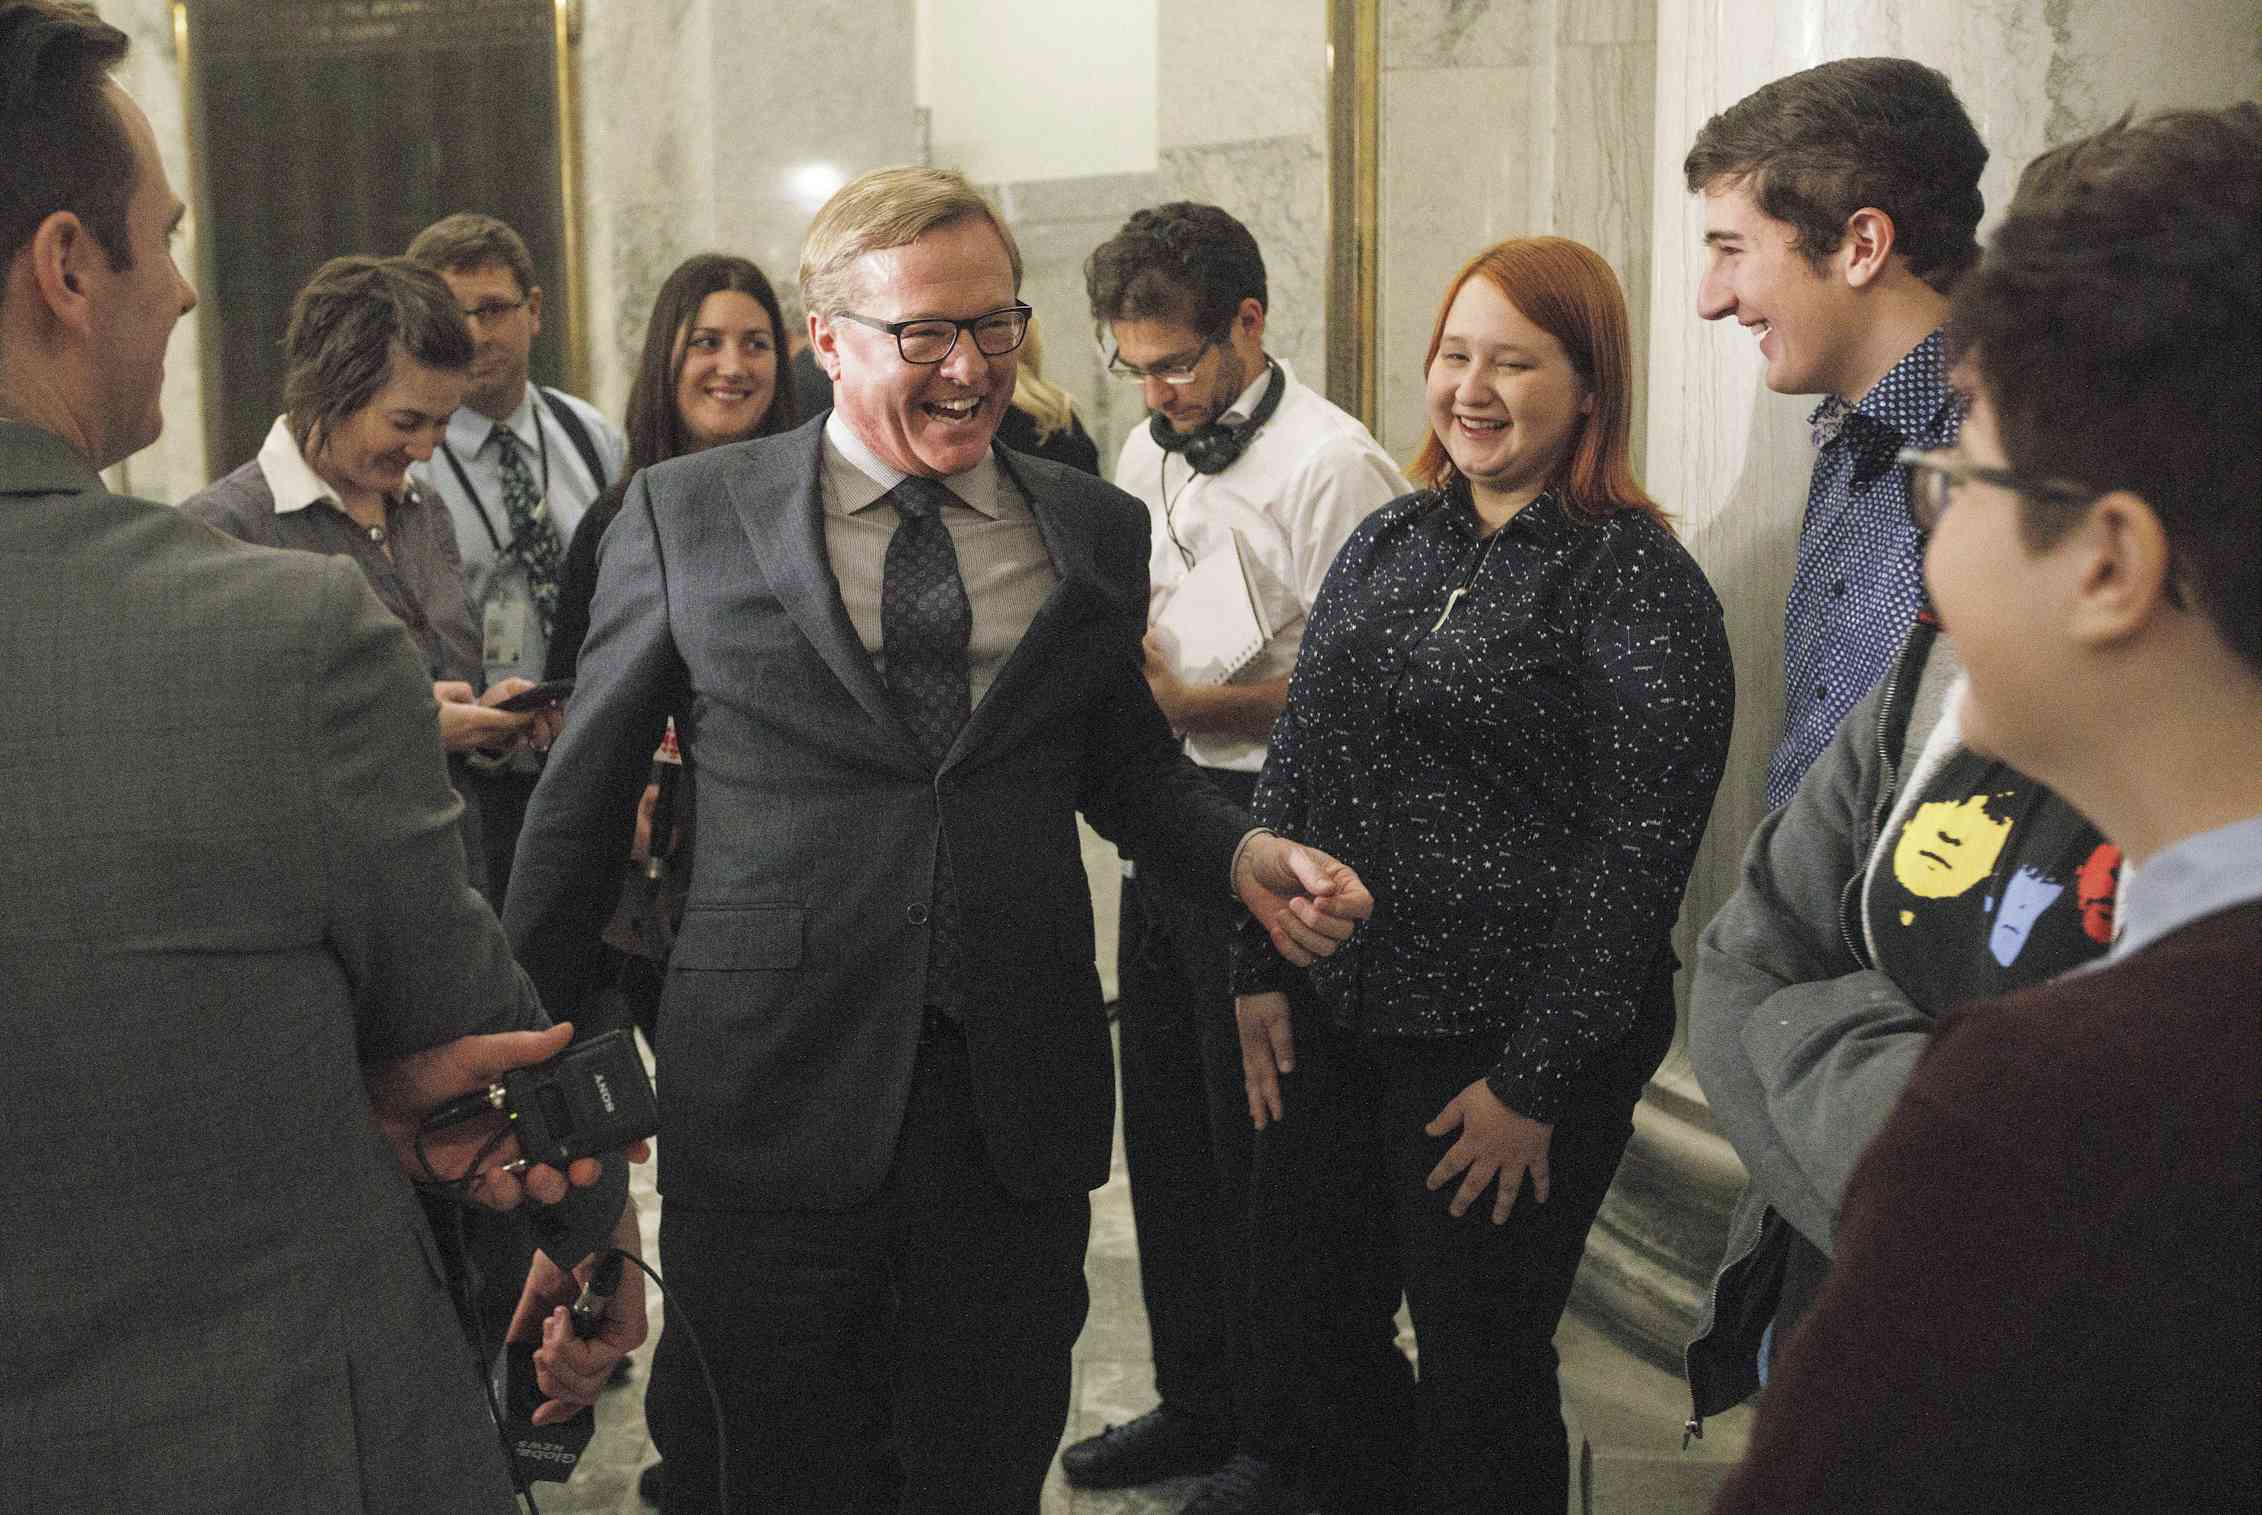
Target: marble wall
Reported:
[(175, 466)]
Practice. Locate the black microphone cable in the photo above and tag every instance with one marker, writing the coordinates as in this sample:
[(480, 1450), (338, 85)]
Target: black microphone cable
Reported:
[(466, 1107)]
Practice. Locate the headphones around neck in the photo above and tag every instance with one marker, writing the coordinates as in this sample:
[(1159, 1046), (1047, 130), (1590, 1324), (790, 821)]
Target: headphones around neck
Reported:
[(1214, 448)]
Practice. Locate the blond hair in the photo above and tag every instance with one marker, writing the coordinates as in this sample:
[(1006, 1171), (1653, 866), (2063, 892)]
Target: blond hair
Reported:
[(888, 207), (1050, 406)]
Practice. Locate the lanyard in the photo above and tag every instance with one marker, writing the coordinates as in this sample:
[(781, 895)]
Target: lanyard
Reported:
[(541, 440)]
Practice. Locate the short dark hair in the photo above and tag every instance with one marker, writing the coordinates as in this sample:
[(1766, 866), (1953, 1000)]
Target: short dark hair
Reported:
[(655, 430), (1176, 262), (2116, 328), (353, 315), (62, 145), (468, 240), (1818, 145)]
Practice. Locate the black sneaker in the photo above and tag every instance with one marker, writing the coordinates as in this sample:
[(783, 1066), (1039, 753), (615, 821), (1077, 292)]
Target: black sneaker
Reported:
[(1159, 1444), (651, 1484), (1246, 1485)]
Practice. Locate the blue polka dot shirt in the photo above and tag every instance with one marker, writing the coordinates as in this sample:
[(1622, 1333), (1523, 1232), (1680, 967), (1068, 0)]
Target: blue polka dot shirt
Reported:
[(1860, 574), (1515, 739)]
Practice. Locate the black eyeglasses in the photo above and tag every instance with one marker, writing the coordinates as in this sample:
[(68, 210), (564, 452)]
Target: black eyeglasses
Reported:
[(1934, 475), (932, 339), (1176, 374)]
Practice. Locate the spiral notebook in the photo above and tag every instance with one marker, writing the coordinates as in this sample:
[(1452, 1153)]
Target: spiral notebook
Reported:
[(1214, 621)]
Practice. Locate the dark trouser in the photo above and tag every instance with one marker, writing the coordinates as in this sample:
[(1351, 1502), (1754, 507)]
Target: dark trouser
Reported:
[(500, 795), (1186, 1142), (916, 1342), (1341, 1177)]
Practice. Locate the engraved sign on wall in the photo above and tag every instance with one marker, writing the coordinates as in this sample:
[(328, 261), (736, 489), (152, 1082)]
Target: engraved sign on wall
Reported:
[(325, 127)]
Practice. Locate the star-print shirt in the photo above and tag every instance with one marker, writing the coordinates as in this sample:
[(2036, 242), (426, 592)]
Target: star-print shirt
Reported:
[(1988, 883), (1515, 740), (1860, 576)]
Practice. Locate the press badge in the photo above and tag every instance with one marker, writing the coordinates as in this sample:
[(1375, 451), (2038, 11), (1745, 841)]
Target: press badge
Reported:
[(505, 631)]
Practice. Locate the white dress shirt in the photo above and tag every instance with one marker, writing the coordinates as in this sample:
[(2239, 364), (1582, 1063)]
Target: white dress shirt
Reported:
[(501, 606), (1308, 477)]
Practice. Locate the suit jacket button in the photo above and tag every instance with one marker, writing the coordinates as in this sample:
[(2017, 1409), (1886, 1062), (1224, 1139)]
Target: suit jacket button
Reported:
[(916, 915)]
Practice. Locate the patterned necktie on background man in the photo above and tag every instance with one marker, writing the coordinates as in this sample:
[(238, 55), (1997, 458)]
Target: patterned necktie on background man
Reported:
[(925, 625), (533, 543)]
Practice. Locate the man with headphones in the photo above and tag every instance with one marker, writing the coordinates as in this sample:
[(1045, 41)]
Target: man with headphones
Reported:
[(1238, 458)]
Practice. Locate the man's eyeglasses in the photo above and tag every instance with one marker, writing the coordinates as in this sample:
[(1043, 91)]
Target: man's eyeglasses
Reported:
[(1175, 373), (932, 339), (487, 312), (1934, 476)]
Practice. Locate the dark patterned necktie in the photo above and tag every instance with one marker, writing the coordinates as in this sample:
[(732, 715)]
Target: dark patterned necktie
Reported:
[(925, 621), (533, 543), (925, 624)]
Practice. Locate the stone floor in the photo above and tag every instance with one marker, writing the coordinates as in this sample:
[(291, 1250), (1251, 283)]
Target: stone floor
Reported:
[(1625, 1411)]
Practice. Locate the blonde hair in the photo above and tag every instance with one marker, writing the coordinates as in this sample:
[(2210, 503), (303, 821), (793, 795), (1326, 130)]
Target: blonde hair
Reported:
[(1050, 406), (888, 207)]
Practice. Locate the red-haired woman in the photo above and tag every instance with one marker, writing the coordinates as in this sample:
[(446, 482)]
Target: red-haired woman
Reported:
[(1509, 714)]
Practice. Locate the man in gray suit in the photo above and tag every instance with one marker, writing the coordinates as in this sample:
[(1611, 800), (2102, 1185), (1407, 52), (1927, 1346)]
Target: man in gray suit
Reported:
[(237, 950), (901, 661)]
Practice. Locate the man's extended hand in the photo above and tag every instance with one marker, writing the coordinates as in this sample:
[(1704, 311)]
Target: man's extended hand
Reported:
[(1306, 901), (1496, 1143), (403, 1090), (572, 1370)]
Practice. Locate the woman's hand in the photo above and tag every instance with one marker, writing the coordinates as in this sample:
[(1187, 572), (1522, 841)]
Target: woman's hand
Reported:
[(1267, 1051), (470, 725), (1495, 1142)]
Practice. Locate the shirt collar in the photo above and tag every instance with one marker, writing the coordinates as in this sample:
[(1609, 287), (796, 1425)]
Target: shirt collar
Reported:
[(293, 481), (2199, 876), (469, 430), (1913, 400), (290, 478), (861, 480), (1245, 403)]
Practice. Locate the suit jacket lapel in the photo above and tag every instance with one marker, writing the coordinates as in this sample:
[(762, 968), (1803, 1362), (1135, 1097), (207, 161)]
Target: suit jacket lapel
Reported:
[(781, 505), (1067, 534)]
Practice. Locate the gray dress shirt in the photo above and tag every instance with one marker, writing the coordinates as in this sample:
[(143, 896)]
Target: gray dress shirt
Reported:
[(1001, 553)]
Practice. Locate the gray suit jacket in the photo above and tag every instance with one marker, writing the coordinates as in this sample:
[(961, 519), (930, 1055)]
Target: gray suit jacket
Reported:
[(229, 874), (792, 1011)]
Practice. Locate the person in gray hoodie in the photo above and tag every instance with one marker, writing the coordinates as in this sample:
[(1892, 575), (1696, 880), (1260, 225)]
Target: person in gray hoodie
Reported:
[(1906, 874)]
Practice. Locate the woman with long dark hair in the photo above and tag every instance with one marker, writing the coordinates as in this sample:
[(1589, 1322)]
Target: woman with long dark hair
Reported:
[(1509, 714), (713, 371)]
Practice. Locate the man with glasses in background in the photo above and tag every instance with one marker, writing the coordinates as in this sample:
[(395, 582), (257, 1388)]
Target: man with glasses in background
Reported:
[(902, 660), (519, 466), (1249, 475)]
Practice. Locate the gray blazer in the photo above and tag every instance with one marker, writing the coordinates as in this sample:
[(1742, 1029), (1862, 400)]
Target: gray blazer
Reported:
[(229, 876), (792, 1011)]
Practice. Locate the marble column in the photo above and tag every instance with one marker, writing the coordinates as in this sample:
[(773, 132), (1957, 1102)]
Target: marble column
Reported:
[(177, 465), (1732, 459), (1504, 118), (1241, 96)]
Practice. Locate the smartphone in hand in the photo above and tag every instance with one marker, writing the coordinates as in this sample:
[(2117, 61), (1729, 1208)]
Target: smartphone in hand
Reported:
[(543, 696)]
